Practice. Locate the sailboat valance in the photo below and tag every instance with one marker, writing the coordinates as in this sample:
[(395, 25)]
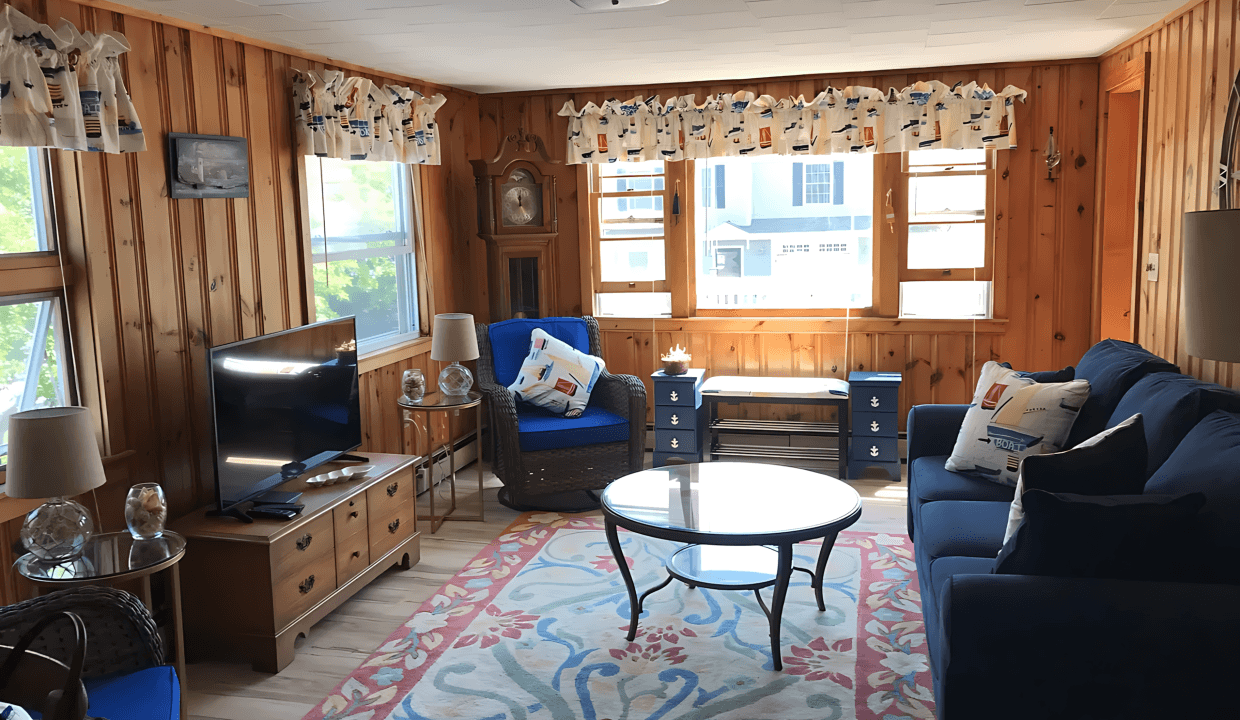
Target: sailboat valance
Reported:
[(924, 116), (351, 118), (63, 88)]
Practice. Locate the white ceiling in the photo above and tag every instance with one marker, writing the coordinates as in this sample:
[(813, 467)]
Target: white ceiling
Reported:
[(502, 45)]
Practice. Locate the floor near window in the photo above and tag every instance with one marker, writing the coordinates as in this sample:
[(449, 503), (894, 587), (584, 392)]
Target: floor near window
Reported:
[(344, 639)]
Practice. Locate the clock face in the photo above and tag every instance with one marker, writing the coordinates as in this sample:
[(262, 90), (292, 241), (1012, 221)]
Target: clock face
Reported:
[(522, 205)]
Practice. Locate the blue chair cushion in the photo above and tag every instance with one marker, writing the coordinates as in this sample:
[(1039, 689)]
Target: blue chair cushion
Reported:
[(1171, 405), (929, 481), (542, 430), (964, 528), (510, 341), (150, 694), (1112, 367)]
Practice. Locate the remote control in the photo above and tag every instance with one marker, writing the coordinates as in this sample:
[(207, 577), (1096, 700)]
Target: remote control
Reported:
[(268, 513)]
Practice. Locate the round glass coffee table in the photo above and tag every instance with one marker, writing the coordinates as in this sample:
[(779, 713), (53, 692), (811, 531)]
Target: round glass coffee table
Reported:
[(740, 520)]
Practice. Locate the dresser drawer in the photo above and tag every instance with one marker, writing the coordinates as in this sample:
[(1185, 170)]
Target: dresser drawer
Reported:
[(878, 450), (675, 418), (389, 494), (870, 399), (389, 529), (673, 441), (868, 424), (350, 517), (352, 556), (680, 394), (296, 592), (299, 549)]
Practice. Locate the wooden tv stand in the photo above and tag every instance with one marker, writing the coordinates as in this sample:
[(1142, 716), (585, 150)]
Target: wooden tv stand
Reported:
[(253, 588)]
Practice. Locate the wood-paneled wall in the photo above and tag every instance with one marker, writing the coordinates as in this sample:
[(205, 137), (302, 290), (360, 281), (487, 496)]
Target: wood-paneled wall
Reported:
[(158, 281), (1192, 64), (1044, 231)]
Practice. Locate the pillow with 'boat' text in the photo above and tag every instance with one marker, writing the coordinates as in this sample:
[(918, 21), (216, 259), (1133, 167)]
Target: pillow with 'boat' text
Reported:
[(556, 376), (1010, 418)]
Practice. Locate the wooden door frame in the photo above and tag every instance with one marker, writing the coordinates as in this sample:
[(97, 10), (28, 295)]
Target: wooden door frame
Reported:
[(1132, 76)]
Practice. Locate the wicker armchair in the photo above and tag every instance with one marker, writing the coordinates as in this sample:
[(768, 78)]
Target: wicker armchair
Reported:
[(554, 479)]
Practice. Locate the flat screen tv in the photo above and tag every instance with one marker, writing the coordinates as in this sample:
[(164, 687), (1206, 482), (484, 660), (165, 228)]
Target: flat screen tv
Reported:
[(283, 404)]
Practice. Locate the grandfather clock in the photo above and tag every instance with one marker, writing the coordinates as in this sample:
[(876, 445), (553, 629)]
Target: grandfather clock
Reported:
[(516, 206)]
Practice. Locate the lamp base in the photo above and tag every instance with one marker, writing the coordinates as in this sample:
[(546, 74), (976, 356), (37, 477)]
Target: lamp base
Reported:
[(57, 530), (455, 380)]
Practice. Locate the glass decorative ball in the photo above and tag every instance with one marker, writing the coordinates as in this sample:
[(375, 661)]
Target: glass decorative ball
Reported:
[(455, 380), (57, 530)]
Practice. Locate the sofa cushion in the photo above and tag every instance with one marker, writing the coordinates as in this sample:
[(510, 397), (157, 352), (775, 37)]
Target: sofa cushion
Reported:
[(1122, 537), (1171, 404), (543, 430), (510, 341), (966, 528), (1112, 367), (1109, 463), (1012, 417), (150, 694), (929, 481)]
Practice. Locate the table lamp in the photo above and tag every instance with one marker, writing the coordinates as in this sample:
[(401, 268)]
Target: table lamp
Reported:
[(454, 339), (53, 455), (1211, 265)]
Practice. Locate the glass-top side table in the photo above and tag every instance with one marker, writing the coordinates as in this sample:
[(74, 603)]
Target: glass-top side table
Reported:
[(117, 556), (453, 405)]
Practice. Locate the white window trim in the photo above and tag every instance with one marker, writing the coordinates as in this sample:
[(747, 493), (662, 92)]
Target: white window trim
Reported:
[(49, 320)]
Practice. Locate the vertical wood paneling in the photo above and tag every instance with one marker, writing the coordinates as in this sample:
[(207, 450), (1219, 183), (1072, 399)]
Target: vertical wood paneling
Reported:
[(1193, 64)]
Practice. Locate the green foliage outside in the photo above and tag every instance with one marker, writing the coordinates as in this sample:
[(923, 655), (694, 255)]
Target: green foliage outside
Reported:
[(18, 234)]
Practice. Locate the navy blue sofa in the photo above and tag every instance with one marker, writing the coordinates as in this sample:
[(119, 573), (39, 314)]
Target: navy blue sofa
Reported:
[(1017, 646)]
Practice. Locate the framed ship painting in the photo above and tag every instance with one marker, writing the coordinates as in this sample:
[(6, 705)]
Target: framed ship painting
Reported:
[(207, 166)]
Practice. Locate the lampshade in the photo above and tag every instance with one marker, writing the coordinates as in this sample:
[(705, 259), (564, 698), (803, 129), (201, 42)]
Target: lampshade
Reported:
[(52, 453), (453, 338), (1212, 284)]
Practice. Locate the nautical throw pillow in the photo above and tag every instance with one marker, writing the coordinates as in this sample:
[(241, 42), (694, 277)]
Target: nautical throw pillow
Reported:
[(1109, 463), (555, 376), (1012, 417)]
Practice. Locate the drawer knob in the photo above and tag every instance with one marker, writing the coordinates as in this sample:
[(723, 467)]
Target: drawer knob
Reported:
[(675, 443), (391, 489), (873, 451), (674, 396), (303, 542), (675, 419), (394, 525), (874, 426), (874, 401), (306, 585), (353, 515)]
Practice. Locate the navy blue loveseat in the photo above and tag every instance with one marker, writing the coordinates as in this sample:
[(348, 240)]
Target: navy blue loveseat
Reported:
[(1016, 646)]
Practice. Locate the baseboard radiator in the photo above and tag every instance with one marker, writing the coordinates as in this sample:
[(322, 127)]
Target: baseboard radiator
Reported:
[(466, 451)]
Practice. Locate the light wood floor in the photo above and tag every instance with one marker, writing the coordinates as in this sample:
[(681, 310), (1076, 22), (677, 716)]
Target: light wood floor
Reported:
[(344, 639)]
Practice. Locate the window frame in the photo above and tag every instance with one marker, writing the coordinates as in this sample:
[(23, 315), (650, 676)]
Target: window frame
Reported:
[(591, 220), (409, 272), (987, 271), (827, 182)]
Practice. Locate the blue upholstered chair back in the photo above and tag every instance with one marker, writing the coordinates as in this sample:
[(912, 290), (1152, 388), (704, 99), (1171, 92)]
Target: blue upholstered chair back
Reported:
[(510, 341)]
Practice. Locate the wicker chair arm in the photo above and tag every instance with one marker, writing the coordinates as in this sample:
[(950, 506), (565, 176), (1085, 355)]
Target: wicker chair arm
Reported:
[(121, 634), (502, 409), (625, 395)]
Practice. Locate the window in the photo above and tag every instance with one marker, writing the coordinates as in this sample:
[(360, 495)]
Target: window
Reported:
[(25, 218), (363, 239), (792, 235), (627, 202), (714, 187), (946, 253)]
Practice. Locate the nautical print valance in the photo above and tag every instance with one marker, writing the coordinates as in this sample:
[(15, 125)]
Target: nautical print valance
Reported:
[(351, 118), (63, 88), (924, 116)]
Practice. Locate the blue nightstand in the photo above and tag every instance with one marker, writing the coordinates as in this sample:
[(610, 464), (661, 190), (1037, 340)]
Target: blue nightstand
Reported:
[(875, 422), (679, 417)]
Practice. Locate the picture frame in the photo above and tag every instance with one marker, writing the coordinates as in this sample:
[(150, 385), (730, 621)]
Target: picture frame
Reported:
[(207, 166)]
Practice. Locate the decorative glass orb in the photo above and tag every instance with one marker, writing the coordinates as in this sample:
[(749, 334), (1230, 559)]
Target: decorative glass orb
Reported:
[(57, 530), (455, 380)]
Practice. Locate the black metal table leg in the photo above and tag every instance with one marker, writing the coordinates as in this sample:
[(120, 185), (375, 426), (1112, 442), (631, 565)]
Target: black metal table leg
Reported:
[(613, 539), (824, 554), (782, 578)]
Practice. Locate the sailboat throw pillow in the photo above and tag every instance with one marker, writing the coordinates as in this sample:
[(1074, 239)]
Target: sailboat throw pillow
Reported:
[(1012, 417), (555, 376)]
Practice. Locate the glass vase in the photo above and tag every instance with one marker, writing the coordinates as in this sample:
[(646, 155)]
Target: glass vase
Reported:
[(146, 510)]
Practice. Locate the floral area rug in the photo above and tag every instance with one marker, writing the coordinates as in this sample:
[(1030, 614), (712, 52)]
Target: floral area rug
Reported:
[(534, 629)]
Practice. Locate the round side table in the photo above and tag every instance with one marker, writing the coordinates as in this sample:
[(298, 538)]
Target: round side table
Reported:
[(453, 405), (113, 557)]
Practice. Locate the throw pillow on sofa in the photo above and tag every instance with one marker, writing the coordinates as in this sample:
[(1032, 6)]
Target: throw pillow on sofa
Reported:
[(1109, 463), (1068, 374), (1010, 418), (1121, 537), (555, 376)]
